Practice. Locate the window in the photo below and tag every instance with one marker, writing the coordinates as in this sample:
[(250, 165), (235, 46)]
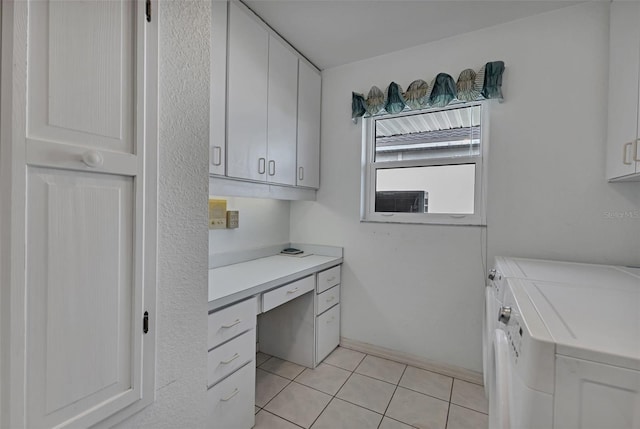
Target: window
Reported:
[(425, 167)]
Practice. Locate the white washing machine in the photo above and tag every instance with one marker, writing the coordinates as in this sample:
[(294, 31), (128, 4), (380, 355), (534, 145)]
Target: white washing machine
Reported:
[(568, 356), (538, 269)]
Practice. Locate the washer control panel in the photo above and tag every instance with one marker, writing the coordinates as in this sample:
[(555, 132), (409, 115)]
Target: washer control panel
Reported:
[(514, 337)]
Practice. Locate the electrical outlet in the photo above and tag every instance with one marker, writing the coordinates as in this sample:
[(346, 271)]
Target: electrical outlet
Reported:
[(233, 219)]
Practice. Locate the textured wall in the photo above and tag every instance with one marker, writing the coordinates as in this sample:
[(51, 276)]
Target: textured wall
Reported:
[(419, 288), (181, 370)]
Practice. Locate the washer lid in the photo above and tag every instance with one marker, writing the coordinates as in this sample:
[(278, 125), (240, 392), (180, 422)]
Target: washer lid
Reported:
[(597, 323), (571, 272)]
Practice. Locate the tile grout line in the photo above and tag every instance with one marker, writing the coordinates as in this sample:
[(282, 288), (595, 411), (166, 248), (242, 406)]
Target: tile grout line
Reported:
[(280, 417), (393, 394), (446, 421), (332, 398)]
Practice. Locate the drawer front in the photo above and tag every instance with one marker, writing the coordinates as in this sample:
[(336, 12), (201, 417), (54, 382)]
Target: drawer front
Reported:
[(327, 333), (288, 292), (231, 402), (328, 278), (231, 321), (225, 359), (327, 299)]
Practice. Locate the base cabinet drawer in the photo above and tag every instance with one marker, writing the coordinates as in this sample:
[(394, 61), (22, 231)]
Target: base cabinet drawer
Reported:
[(287, 292), (327, 299), (229, 322), (230, 356), (328, 278), (231, 402), (327, 332)]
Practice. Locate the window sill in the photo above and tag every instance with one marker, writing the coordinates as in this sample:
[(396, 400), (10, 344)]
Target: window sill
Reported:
[(443, 220)]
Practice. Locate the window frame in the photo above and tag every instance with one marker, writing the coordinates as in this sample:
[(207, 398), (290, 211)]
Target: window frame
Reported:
[(369, 168)]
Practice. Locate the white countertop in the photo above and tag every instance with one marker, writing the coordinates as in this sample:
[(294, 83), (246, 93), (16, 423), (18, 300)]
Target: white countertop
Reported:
[(233, 283)]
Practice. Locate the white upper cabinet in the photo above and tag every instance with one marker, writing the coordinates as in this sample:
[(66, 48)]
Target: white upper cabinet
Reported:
[(624, 92), (265, 107), (218, 136), (282, 107), (247, 68), (309, 96), (83, 147)]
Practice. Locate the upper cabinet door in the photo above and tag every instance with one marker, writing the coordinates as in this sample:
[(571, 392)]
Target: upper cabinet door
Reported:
[(282, 110), (624, 90), (218, 144), (247, 96), (309, 96), (81, 74), (84, 155)]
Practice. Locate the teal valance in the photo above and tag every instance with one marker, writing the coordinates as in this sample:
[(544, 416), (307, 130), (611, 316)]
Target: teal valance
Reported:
[(471, 85)]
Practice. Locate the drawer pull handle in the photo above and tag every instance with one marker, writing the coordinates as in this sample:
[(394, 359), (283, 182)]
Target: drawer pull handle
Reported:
[(234, 357), (234, 393), (624, 153), (231, 325), (331, 299), (330, 279), (294, 290)]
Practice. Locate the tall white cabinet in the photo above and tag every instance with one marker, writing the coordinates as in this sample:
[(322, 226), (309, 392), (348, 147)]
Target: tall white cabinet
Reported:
[(82, 221), (623, 140)]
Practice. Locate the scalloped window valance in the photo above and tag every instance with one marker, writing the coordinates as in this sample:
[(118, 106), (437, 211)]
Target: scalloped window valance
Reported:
[(472, 85)]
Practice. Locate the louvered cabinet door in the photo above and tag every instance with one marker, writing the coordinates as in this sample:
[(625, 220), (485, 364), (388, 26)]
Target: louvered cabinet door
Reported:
[(88, 142)]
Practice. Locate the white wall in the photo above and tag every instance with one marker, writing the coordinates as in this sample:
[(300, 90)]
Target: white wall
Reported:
[(419, 289), (263, 223), (181, 365)]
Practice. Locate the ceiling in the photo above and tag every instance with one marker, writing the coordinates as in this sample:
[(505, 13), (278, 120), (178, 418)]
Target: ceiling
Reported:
[(331, 33)]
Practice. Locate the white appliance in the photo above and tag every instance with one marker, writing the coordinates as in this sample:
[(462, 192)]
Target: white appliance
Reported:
[(537, 269), (573, 355)]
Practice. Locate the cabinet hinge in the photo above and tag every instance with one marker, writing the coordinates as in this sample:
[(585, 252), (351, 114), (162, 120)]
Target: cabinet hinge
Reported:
[(145, 322), (148, 10)]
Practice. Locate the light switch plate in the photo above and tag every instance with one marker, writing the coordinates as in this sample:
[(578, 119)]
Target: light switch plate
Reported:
[(217, 210), (233, 219)]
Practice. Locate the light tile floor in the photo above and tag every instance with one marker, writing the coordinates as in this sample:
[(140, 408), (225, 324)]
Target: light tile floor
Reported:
[(352, 390)]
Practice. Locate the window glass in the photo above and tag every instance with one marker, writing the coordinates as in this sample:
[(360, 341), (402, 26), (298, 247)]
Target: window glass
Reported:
[(433, 189)]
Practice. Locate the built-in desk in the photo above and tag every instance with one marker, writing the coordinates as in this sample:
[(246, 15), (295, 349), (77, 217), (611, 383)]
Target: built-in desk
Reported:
[(233, 283), (298, 300)]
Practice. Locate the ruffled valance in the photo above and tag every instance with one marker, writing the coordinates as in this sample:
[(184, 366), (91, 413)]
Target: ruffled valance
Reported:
[(471, 86)]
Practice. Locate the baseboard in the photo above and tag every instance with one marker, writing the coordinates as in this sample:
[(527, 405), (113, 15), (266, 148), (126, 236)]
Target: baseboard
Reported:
[(409, 359)]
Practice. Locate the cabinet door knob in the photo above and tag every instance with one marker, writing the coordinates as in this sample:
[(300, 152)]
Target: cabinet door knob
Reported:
[(635, 151), (92, 158), (301, 173), (261, 165), (272, 168)]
